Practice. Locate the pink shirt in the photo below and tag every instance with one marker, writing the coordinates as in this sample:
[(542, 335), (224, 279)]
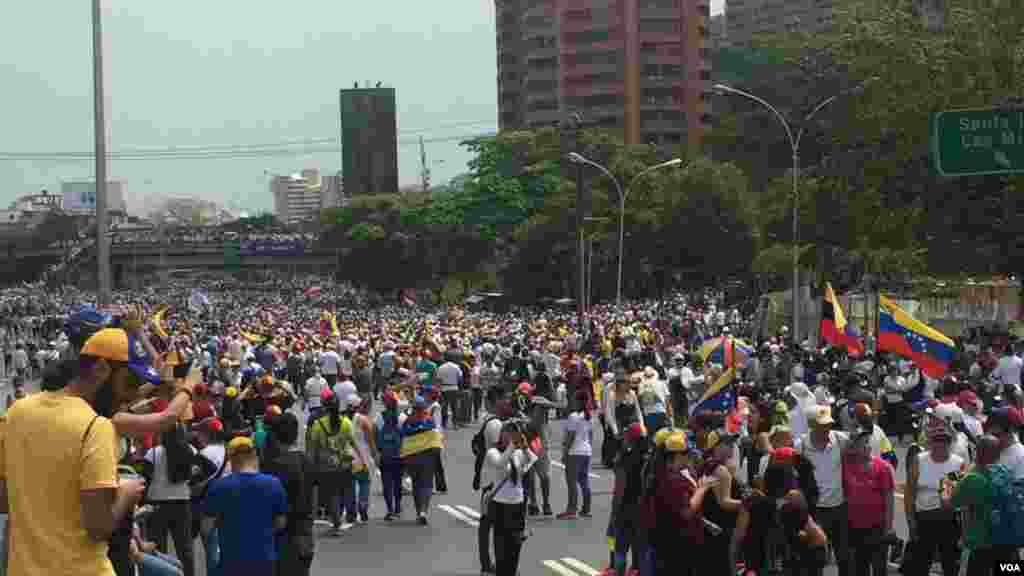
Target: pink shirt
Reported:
[(867, 492)]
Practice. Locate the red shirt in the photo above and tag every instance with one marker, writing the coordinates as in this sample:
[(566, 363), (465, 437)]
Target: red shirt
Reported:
[(867, 492), (673, 509)]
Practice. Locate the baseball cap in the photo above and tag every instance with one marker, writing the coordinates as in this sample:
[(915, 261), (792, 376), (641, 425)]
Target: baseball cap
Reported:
[(117, 345), (784, 455), (661, 436), (327, 395), (717, 438), (240, 445), (969, 398), (676, 442)]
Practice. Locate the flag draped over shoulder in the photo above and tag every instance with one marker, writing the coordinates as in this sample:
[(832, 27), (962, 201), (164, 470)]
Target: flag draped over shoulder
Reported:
[(834, 327), (726, 351), (902, 334), (720, 396)]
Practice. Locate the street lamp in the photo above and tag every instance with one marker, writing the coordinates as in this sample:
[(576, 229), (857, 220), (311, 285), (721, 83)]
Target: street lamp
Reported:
[(590, 261), (794, 144), (579, 159)]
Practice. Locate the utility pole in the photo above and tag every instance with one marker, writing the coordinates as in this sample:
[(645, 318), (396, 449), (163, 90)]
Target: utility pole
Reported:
[(100, 133), (571, 143), (424, 169)]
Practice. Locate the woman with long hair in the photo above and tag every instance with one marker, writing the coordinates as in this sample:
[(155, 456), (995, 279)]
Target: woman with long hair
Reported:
[(168, 469), (723, 504), (577, 445)]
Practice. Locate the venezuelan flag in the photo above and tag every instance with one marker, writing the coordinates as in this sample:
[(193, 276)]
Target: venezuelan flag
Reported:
[(834, 328), (720, 396), (726, 351), (902, 334)]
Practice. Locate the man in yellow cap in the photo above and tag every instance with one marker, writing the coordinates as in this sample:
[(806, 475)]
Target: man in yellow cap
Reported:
[(248, 508)]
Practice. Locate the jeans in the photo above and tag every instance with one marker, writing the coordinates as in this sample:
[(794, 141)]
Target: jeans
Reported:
[(835, 524), (174, 517), (937, 532), (483, 533), (158, 564), (577, 479), (361, 493), (211, 544), (509, 524), (335, 491), (391, 478), (867, 552)]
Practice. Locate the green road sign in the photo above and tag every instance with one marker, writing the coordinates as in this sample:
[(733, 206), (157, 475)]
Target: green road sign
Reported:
[(978, 141), (232, 255)]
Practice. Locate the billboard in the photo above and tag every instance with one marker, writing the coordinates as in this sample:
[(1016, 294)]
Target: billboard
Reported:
[(80, 197), (272, 247)]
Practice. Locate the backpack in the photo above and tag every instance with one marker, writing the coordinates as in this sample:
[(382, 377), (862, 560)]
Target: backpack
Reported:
[(1007, 507), (479, 446), (336, 453), (389, 440)]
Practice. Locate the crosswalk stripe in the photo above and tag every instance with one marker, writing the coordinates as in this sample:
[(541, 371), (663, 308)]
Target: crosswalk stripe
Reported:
[(559, 569), (322, 522), (558, 464), (459, 515), (469, 511), (583, 567)]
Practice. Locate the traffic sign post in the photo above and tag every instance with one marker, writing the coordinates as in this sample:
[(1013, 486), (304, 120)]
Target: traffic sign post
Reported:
[(978, 141)]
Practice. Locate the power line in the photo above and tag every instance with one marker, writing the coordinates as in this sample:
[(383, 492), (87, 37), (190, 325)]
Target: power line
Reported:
[(201, 154), (192, 149)]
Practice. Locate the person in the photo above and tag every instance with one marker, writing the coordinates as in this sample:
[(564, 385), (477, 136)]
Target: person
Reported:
[(363, 465), (625, 514), (824, 448), (295, 472), (250, 509), (577, 444), (723, 506), (869, 488), (315, 385), (678, 509), (330, 444), (974, 493), (72, 474), (168, 470), (1003, 423), (509, 462), (491, 435), (389, 450), (932, 526), (421, 447)]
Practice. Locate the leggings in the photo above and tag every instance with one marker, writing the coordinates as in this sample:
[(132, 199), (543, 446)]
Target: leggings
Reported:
[(174, 517), (509, 524)]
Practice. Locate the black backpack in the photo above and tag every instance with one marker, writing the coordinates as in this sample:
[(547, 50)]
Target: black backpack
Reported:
[(479, 446)]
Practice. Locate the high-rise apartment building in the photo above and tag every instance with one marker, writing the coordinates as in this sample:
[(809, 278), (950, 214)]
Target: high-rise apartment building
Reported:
[(747, 19), (369, 140), (638, 65), (297, 198)]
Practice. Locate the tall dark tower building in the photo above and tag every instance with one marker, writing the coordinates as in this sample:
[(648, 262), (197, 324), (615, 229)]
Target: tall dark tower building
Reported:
[(369, 141)]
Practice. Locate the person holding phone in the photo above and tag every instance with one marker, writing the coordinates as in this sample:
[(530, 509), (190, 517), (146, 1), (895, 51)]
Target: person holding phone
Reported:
[(509, 461)]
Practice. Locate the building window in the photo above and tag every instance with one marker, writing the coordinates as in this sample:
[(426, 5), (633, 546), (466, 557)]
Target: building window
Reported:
[(587, 36)]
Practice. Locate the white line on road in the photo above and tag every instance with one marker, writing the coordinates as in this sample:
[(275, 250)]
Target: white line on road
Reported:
[(459, 515), (558, 464), (583, 567), (559, 569), (322, 522), (469, 511)]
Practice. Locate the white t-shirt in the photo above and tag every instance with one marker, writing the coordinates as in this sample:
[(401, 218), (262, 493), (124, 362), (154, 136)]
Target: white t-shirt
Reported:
[(314, 386), (582, 430), (500, 463), (1008, 370), (329, 363), (930, 475), (342, 390), (828, 467), (1013, 458), (160, 489), (448, 375)]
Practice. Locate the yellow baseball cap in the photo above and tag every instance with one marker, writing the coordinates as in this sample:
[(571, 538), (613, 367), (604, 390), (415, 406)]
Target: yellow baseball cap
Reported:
[(117, 345), (661, 436), (676, 442), (240, 445), (716, 438)]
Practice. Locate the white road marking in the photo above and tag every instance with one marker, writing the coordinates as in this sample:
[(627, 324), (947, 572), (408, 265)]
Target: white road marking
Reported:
[(582, 567), (469, 511), (558, 464), (559, 569), (459, 515), (322, 522)]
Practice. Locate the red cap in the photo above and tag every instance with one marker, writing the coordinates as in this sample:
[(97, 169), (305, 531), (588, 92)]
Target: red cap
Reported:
[(525, 388), (326, 395), (784, 455), (214, 425), (968, 397)]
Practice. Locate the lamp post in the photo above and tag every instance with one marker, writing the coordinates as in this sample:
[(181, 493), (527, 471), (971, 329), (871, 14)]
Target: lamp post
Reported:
[(794, 144), (590, 261), (579, 159), (100, 133)]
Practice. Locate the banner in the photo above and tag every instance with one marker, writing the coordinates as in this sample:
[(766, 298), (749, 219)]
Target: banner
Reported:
[(272, 247)]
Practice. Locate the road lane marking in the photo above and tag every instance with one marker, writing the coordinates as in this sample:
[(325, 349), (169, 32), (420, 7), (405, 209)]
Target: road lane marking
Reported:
[(558, 464), (582, 567), (459, 515), (559, 569), (322, 522), (469, 511)]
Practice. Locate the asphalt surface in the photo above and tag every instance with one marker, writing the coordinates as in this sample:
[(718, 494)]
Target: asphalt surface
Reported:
[(447, 546)]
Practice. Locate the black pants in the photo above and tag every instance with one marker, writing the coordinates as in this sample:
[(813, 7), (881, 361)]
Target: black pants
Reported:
[(174, 517), (440, 480), (509, 524), (834, 522), (867, 552), (478, 402), (450, 408), (937, 534), (483, 534)]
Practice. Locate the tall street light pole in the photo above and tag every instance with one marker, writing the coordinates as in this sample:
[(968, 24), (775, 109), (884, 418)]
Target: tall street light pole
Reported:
[(578, 159), (794, 144), (100, 133), (589, 254)]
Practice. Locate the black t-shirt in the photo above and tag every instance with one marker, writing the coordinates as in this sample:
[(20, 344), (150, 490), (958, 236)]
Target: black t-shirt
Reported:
[(294, 470)]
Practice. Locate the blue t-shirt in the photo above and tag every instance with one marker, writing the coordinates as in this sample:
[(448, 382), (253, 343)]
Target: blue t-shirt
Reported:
[(245, 504)]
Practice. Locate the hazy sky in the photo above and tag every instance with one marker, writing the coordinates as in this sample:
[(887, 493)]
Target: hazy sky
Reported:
[(194, 73)]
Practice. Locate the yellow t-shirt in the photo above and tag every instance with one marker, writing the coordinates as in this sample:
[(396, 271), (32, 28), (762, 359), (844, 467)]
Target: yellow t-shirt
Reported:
[(48, 460)]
